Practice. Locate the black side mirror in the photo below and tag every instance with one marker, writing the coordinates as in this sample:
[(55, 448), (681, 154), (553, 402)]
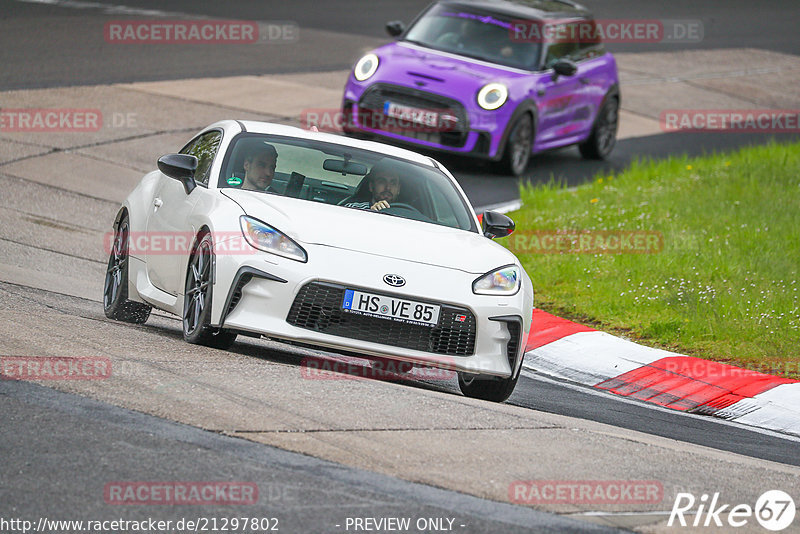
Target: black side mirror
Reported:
[(496, 224), (181, 167), (565, 67), (395, 28)]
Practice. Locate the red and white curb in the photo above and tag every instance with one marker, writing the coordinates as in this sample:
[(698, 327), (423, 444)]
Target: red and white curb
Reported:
[(568, 350)]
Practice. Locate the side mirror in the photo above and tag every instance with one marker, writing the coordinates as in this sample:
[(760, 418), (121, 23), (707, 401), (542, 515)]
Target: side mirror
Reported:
[(565, 67), (395, 28), (180, 167), (496, 225)]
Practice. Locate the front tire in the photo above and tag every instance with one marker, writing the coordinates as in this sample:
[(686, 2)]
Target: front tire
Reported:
[(197, 300), (517, 152), (495, 390), (116, 304), (604, 132)]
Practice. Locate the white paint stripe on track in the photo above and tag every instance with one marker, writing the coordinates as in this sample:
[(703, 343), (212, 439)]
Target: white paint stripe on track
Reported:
[(605, 394), (591, 357), (112, 9), (503, 207), (779, 410)]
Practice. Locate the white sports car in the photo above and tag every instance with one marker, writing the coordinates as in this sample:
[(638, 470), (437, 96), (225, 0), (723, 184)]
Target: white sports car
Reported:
[(269, 230)]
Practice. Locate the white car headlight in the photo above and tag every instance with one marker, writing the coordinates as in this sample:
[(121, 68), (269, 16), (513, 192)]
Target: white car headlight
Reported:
[(366, 67), (264, 237), (502, 281), (492, 96)]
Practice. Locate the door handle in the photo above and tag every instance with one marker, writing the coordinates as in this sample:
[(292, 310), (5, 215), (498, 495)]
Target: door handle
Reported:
[(585, 81), (157, 202)]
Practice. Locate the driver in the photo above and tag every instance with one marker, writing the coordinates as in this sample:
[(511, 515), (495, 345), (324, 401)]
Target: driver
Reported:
[(383, 181), (259, 168)]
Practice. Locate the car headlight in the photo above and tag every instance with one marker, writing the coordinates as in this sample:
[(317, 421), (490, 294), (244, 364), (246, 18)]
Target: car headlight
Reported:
[(502, 281), (366, 67), (492, 96), (264, 237)]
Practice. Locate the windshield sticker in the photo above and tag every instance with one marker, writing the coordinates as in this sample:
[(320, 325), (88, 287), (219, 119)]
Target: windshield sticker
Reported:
[(234, 180), (486, 19)]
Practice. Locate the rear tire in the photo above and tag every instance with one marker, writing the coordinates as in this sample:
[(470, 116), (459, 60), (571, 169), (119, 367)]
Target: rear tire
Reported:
[(495, 390), (518, 148), (604, 132), (115, 289), (197, 300)]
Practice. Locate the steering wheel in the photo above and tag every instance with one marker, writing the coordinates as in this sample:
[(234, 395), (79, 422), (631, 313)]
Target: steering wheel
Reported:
[(402, 206), (407, 211)]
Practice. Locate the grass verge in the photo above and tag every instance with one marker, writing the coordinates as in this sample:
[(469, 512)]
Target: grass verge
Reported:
[(718, 280)]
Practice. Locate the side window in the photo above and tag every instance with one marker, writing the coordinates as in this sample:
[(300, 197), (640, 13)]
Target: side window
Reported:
[(566, 45), (590, 45), (204, 148)]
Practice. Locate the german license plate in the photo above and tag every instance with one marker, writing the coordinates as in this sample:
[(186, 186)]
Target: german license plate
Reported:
[(411, 114), (391, 308)]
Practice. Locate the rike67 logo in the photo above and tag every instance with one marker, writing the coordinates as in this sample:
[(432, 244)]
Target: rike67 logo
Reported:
[(774, 510)]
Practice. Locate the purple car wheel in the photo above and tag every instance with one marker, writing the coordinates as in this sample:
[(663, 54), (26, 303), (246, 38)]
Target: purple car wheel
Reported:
[(518, 148), (604, 133)]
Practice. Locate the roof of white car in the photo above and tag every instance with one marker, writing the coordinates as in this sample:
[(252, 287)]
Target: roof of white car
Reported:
[(293, 131)]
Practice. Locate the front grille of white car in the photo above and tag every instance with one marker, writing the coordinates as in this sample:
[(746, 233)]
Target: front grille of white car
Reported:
[(318, 307)]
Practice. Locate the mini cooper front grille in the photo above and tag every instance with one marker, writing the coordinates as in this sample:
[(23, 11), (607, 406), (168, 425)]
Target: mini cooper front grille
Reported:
[(372, 103), (318, 307)]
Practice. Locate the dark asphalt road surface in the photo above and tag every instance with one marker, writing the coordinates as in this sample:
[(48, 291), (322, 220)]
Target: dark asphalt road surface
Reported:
[(66, 449), (50, 45), (78, 445)]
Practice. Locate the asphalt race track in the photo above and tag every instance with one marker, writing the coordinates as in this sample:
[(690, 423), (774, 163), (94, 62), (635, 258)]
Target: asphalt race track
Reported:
[(327, 450)]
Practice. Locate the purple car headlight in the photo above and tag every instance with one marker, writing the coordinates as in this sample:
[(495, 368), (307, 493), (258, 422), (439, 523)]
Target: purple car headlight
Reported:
[(366, 67), (492, 96)]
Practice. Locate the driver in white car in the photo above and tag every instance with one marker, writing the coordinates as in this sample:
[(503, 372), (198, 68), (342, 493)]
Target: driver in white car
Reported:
[(383, 182)]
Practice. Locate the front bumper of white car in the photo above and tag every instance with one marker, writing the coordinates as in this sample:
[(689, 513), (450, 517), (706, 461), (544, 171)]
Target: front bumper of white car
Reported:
[(285, 299)]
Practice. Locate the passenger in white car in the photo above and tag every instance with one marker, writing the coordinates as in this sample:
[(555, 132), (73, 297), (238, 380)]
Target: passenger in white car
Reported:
[(259, 168)]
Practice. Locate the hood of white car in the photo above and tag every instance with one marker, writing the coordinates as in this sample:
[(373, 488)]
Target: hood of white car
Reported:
[(374, 233)]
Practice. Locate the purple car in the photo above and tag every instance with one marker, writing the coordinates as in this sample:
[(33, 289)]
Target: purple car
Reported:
[(497, 80)]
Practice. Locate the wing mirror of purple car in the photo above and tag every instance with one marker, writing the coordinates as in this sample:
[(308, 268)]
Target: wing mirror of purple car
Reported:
[(564, 67), (496, 224), (395, 28), (180, 167)]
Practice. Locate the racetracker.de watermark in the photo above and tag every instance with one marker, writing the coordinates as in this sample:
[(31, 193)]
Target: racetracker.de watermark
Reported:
[(708, 370), (60, 120), (586, 242), (54, 368), (347, 368), (392, 117), (731, 120), (200, 32), (180, 493), (607, 31), (586, 492), (176, 243), (50, 120)]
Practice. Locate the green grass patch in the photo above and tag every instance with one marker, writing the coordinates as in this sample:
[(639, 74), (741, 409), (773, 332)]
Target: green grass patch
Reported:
[(723, 287)]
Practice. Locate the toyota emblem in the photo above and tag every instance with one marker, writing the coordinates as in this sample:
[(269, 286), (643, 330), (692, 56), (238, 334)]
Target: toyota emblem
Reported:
[(394, 280)]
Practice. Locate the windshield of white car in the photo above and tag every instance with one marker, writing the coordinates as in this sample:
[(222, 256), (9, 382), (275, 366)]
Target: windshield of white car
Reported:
[(488, 37), (343, 176)]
